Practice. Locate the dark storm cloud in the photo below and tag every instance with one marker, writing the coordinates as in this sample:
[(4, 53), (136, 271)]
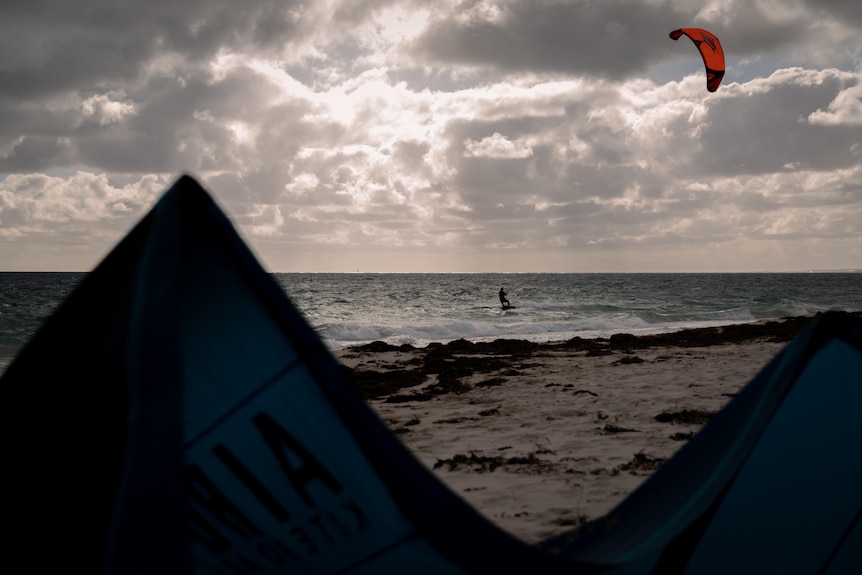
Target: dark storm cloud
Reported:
[(350, 13), (53, 46), (56, 54), (612, 38), (411, 155), (105, 38), (37, 153), (850, 10), (771, 132), (749, 29)]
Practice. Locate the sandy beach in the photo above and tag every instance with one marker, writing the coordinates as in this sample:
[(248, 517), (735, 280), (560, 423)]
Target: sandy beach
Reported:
[(542, 437)]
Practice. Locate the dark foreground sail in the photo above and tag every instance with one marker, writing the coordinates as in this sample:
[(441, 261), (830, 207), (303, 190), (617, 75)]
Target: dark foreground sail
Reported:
[(177, 415), (772, 484)]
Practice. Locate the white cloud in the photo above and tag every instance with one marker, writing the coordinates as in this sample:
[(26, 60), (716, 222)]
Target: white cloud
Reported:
[(105, 109), (44, 204), (845, 109), (496, 146), (265, 220)]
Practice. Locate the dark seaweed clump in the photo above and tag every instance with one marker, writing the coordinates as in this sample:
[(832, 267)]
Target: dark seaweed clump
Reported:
[(446, 366)]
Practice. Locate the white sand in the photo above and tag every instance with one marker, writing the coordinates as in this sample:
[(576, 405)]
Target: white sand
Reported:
[(576, 421)]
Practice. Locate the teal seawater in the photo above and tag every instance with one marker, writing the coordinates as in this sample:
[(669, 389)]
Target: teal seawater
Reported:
[(356, 308), (352, 309)]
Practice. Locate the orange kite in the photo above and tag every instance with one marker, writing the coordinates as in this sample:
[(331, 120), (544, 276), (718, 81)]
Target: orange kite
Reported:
[(711, 51)]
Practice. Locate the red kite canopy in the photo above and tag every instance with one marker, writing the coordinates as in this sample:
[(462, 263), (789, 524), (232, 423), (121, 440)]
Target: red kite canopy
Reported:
[(710, 49)]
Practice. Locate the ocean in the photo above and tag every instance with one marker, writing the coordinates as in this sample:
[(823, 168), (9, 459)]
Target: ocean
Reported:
[(349, 309)]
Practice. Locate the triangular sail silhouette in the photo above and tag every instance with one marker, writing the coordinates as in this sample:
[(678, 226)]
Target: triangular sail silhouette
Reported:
[(176, 414)]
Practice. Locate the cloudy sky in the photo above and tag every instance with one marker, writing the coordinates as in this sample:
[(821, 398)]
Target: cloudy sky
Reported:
[(446, 136)]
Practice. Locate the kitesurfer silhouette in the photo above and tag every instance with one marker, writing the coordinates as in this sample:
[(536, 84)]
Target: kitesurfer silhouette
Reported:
[(503, 301)]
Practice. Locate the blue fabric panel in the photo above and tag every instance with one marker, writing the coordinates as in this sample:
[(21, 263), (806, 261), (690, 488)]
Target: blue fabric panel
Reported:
[(415, 557), (151, 487), (846, 558), (799, 490), (327, 504), (232, 344)]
